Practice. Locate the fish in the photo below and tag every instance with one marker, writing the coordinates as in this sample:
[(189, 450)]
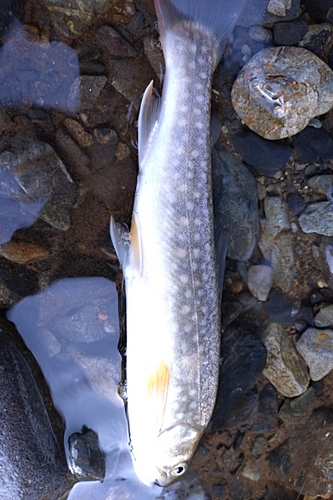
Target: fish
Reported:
[(169, 263)]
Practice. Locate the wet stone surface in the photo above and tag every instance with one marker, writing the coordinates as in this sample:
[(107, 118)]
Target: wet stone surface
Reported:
[(71, 81)]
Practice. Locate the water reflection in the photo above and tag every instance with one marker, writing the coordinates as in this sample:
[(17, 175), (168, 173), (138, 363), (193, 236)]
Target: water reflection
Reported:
[(37, 73), (72, 329)]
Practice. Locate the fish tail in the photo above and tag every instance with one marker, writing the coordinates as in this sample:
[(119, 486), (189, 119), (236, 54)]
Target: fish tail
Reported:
[(218, 16)]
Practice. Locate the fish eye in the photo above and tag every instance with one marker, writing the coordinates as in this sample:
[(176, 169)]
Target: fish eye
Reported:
[(179, 469)]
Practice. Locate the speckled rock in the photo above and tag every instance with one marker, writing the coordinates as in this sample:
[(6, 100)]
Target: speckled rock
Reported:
[(235, 204), (289, 33), (316, 347), (324, 317), (276, 96), (284, 368), (298, 409), (318, 218), (283, 261)]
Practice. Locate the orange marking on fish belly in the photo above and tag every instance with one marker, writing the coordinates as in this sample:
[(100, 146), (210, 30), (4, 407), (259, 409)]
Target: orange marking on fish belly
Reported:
[(157, 389)]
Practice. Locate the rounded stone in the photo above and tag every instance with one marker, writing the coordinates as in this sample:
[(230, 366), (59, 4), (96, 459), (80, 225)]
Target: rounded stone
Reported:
[(316, 347), (281, 89)]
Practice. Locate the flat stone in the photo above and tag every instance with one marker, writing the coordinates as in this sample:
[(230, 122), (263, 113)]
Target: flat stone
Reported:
[(289, 33), (324, 317), (276, 221), (316, 347), (110, 41), (283, 261), (23, 252), (235, 204), (284, 368), (318, 218)]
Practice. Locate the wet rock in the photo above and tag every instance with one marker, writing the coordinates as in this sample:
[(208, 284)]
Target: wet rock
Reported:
[(70, 20), (284, 368), (309, 473), (260, 34), (259, 281), (316, 38), (235, 204), (279, 7), (87, 89), (32, 460), (86, 458), (289, 33), (69, 151), (110, 41), (276, 96), (83, 138), (265, 156), (296, 203), (23, 252), (243, 358), (281, 308), (321, 184), (316, 347), (313, 145), (317, 10), (298, 409), (37, 178), (266, 417), (324, 317), (318, 218), (36, 73), (131, 79), (17, 278)]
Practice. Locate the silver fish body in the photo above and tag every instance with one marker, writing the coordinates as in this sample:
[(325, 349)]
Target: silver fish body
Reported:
[(172, 297)]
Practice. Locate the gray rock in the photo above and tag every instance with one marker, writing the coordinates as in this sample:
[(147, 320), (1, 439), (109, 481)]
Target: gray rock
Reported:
[(279, 7), (316, 347), (260, 34), (324, 317), (259, 281), (284, 368), (318, 218), (235, 204), (86, 89), (298, 409), (110, 41), (283, 262), (321, 184), (276, 212)]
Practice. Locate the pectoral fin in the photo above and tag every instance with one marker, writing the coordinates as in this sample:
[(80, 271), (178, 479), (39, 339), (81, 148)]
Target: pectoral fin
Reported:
[(148, 120), (120, 238), (157, 390)]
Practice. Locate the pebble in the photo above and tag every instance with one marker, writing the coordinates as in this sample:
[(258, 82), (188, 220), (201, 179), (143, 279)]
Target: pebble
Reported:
[(83, 138), (289, 33), (87, 460), (318, 218), (296, 203), (260, 34), (281, 89), (279, 7), (316, 347), (284, 368), (23, 252), (235, 204), (259, 281), (256, 12), (265, 156), (310, 451)]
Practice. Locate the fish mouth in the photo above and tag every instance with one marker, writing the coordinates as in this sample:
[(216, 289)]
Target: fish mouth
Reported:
[(163, 478)]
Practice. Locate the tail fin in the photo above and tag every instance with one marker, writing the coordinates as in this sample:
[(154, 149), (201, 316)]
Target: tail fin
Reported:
[(219, 16)]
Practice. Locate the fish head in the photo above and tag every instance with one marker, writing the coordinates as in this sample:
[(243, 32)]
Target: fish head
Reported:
[(170, 456)]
